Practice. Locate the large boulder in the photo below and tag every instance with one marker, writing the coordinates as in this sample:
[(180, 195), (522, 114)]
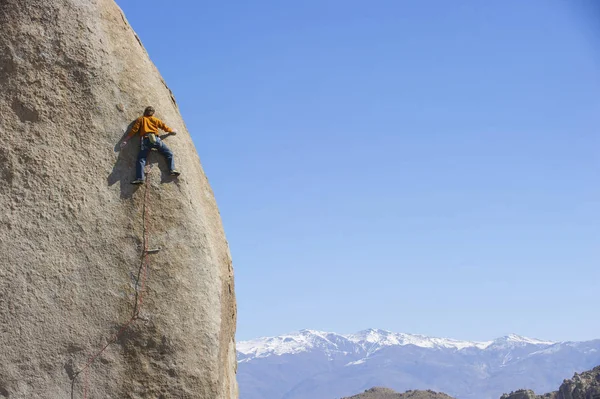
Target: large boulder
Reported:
[(73, 76)]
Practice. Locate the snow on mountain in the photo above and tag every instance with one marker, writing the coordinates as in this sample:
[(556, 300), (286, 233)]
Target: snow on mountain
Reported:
[(367, 341), (301, 341), (381, 338), (311, 364), (517, 340)]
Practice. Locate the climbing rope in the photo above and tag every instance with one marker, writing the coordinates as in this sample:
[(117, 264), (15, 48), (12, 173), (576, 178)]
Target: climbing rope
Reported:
[(139, 295)]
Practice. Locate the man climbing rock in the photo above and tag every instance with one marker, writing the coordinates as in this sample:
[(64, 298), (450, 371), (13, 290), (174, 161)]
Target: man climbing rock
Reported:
[(147, 126)]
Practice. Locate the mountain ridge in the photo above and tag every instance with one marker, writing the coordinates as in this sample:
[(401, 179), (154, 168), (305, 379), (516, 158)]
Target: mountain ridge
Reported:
[(306, 339), (321, 365)]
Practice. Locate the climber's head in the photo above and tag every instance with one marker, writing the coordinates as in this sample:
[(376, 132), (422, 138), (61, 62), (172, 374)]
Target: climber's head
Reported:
[(149, 111)]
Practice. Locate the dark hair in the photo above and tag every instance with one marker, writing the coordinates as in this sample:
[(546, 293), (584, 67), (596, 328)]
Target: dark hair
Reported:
[(149, 111)]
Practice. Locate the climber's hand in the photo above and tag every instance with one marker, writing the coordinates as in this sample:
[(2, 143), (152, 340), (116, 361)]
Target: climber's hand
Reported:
[(174, 132)]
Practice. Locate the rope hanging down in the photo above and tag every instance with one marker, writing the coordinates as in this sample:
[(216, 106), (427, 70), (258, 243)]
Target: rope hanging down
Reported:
[(139, 295)]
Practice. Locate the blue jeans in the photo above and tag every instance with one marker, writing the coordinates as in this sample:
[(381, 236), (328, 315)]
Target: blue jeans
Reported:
[(145, 148)]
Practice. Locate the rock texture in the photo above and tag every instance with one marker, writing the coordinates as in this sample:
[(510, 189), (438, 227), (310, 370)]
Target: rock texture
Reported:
[(585, 385), (73, 76), (521, 394), (385, 393)]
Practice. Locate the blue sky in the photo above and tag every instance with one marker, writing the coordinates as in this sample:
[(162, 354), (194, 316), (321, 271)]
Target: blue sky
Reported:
[(420, 166)]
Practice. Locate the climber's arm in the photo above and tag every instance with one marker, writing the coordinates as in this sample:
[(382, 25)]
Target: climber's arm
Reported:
[(164, 127), (132, 132)]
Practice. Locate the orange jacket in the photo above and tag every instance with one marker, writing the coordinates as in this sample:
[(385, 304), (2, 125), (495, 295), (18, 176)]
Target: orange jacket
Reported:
[(148, 124)]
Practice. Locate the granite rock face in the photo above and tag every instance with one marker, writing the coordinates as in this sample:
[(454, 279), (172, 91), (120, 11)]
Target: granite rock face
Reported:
[(584, 385), (73, 76)]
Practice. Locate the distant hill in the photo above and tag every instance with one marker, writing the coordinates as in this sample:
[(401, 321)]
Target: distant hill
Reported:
[(386, 393), (585, 385)]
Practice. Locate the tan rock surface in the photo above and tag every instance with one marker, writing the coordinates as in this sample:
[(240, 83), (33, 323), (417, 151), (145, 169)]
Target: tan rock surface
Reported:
[(73, 76), (386, 393)]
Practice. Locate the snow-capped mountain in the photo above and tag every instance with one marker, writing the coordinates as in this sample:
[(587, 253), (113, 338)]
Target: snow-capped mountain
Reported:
[(311, 364), (367, 341)]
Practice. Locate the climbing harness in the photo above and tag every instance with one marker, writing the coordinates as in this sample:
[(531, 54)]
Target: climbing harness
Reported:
[(139, 294)]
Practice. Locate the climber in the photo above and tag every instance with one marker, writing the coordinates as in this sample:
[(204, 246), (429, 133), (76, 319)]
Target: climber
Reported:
[(147, 126)]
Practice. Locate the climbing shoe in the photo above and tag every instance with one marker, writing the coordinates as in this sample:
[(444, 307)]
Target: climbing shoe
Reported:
[(138, 181), (174, 172)]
